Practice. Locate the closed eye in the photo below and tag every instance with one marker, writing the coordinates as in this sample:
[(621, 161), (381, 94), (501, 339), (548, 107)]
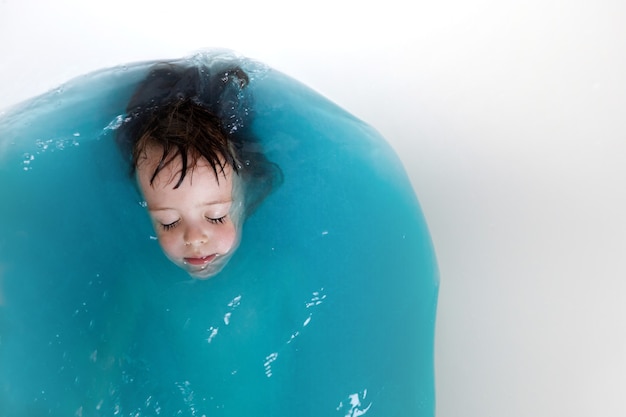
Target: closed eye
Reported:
[(220, 220), (170, 226)]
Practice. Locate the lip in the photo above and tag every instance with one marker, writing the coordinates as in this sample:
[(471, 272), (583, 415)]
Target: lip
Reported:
[(200, 261)]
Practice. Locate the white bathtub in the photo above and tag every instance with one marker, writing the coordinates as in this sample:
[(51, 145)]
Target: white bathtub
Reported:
[(509, 119)]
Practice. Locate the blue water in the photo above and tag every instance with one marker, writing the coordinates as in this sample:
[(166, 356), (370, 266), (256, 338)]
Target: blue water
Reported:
[(326, 309)]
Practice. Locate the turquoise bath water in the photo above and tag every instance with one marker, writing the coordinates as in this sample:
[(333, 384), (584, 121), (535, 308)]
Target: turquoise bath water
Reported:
[(326, 309)]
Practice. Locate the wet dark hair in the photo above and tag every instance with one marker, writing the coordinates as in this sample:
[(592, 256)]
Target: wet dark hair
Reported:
[(198, 111), (187, 130)]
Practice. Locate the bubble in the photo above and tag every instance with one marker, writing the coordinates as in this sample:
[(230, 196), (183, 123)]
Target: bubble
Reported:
[(43, 145), (26, 161)]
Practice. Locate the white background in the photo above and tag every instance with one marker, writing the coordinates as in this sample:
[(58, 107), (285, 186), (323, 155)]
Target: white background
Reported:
[(510, 119)]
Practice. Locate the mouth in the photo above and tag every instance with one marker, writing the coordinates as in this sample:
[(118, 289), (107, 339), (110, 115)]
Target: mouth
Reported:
[(205, 260)]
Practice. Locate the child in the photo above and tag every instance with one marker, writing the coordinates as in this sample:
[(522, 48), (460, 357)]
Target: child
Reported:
[(195, 161)]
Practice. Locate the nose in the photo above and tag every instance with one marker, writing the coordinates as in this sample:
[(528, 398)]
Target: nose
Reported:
[(195, 236)]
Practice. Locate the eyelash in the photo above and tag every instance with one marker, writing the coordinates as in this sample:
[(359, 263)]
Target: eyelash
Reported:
[(221, 220), (170, 226)]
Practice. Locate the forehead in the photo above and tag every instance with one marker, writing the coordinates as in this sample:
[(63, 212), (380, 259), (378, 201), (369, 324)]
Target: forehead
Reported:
[(169, 174)]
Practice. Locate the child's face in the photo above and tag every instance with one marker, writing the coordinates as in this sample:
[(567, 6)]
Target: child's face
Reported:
[(197, 224)]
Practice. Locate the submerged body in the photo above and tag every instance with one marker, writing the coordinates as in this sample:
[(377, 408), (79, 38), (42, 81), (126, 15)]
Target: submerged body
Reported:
[(326, 308)]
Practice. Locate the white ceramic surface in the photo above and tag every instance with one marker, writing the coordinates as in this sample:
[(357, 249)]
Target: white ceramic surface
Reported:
[(509, 117)]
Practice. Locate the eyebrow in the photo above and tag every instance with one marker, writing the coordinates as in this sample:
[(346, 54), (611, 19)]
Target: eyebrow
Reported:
[(208, 203)]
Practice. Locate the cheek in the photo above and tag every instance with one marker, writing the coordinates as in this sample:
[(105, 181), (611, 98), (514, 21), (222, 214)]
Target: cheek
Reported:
[(228, 238), (169, 243)]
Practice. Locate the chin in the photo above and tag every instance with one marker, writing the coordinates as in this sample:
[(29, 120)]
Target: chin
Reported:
[(204, 274)]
